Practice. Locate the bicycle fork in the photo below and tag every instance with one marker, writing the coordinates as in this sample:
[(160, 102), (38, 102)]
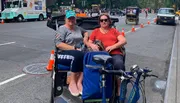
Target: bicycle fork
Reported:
[(103, 87), (123, 90)]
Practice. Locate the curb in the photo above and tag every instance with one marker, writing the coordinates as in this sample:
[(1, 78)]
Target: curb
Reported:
[(171, 87)]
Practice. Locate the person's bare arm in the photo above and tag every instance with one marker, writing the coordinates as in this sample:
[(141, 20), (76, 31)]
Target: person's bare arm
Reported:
[(121, 42), (86, 38), (64, 46)]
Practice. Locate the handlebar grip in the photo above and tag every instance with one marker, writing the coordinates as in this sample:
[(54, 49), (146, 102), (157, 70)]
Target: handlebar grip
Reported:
[(154, 76), (115, 72), (93, 66), (146, 70)]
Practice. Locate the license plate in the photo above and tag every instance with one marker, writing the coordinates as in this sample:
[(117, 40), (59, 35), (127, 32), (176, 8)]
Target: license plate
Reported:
[(130, 20), (165, 21)]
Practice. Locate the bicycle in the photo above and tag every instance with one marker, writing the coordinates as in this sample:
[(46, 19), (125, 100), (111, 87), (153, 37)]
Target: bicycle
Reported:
[(126, 77)]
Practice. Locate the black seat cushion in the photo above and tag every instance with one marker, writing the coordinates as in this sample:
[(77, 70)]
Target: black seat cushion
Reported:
[(102, 59)]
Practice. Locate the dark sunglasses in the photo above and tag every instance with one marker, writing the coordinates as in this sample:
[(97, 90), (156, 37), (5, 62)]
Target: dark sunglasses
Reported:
[(101, 20)]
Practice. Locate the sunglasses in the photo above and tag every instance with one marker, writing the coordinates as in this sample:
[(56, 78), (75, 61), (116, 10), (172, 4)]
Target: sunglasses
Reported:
[(101, 20)]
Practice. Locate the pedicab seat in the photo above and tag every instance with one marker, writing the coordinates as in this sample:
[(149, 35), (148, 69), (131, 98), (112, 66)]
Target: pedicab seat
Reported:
[(101, 59)]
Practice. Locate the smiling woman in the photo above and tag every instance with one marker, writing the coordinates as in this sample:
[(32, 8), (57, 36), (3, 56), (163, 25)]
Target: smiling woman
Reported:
[(112, 40), (69, 37)]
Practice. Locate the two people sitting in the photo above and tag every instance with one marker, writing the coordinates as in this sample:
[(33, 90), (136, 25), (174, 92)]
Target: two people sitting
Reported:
[(70, 34)]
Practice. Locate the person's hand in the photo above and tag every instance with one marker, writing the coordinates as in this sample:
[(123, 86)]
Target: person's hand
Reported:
[(109, 48), (78, 49), (94, 47)]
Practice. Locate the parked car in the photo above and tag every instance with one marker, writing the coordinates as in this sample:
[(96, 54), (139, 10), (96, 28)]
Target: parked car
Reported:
[(166, 15), (178, 12), (117, 12)]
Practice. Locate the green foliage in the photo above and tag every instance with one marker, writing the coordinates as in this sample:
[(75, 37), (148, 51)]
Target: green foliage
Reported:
[(121, 4)]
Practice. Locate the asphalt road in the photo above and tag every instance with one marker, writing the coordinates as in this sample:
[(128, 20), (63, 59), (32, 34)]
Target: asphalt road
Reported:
[(28, 43)]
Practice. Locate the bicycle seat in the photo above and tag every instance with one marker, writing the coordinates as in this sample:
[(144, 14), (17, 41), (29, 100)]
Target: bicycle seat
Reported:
[(101, 59)]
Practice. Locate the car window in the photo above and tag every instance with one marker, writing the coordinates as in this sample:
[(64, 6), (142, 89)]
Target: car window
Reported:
[(166, 11)]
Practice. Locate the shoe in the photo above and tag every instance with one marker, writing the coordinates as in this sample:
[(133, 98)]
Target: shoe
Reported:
[(74, 92), (80, 90), (117, 99)]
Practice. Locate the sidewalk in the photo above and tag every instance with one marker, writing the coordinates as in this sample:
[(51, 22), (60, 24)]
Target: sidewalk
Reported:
[(172, 93)]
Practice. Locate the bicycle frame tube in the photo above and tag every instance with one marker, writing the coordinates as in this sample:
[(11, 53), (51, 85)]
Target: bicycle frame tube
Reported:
[(123, 90), (103, 87), (134, 95)]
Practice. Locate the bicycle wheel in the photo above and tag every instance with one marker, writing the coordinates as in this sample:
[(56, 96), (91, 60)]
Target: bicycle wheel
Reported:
[(137, 94)]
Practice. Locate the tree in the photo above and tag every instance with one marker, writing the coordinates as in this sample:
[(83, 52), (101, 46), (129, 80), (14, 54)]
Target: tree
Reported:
[(153, 4)]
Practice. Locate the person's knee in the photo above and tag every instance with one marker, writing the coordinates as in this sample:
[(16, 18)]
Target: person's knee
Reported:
[(118, 63)]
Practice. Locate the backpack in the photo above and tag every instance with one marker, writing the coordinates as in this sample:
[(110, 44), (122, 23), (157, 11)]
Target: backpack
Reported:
[(92, 78)]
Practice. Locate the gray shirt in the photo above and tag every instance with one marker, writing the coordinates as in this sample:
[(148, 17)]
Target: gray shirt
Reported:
[(69, 37)]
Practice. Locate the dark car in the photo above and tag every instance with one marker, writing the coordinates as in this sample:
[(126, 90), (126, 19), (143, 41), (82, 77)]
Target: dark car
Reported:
[(117, 12)]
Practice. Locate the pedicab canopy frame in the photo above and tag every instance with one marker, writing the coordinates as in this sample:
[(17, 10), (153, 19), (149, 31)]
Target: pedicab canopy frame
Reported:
[(88, 23)]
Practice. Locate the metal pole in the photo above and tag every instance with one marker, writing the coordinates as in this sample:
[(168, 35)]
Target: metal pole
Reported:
[(0, 5)]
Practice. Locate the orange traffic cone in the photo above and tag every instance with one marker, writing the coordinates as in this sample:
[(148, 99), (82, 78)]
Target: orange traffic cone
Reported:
[(148, 22), (51, 62), (133, 29), (123, 33), (142, 26), (2, 21)]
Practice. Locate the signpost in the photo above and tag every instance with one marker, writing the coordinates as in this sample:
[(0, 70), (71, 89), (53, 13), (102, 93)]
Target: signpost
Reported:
[(83, 3)]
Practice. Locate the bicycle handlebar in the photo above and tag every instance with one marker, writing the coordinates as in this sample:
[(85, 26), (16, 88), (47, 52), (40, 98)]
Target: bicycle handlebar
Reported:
[(124, 74), (94, 67), (121, 73), (144, 71)]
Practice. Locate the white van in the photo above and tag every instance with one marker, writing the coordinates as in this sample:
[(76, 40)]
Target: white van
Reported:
[(166, 15), (24, 9)]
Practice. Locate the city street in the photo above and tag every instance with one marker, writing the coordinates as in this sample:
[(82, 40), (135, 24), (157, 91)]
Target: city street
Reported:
[(29, 43)]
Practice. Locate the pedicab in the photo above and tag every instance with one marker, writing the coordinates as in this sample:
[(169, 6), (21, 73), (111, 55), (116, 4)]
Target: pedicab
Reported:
[(132, 15), (94, 92)]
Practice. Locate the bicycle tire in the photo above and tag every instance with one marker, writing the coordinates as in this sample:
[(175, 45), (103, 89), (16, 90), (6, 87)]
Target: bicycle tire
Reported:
[(142, 98)]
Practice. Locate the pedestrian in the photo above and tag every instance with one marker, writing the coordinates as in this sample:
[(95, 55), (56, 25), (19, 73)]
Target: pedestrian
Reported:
[(146, 13)]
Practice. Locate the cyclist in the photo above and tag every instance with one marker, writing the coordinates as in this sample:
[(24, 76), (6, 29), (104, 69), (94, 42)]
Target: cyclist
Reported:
[(112, 40), (70, 35)]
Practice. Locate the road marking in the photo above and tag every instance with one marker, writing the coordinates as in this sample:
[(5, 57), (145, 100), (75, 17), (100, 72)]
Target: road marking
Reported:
[(7, 43), (20, 29), (11, 79)]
